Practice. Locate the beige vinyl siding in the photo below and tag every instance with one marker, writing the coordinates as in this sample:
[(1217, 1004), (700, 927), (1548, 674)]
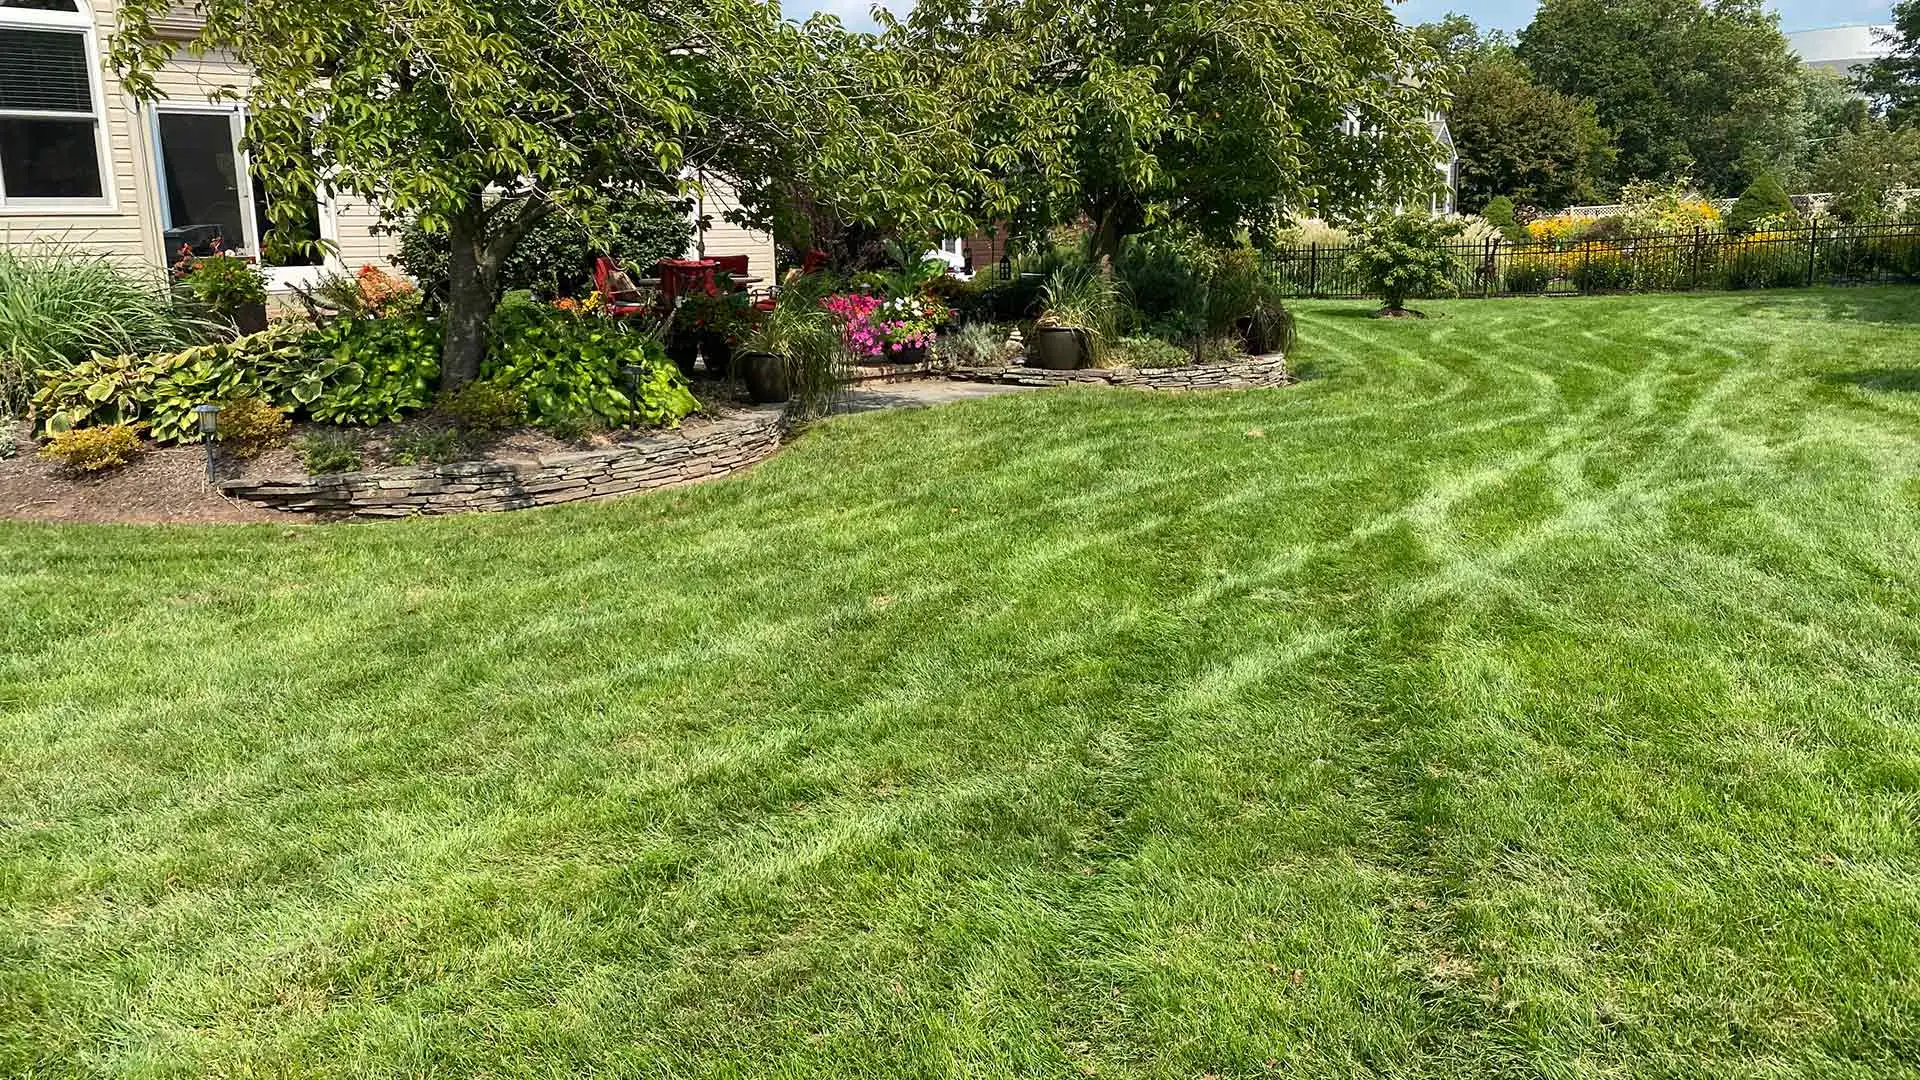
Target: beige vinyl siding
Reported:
[(354, 224), (118, 233), (726, 238)]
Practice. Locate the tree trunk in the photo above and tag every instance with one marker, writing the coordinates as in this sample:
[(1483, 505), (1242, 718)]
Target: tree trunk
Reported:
[(470, 281)]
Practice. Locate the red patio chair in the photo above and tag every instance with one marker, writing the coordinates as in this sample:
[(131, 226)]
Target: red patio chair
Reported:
[(617, 290)]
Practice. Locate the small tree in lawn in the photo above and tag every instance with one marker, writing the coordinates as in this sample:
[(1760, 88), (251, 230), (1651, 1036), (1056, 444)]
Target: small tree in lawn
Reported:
[(478, 119), (1403, 255)]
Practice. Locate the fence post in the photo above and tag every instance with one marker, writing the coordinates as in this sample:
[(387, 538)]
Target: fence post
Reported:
[(1586, 260), (1490, 275), (1693, 260), (1813, 249), (1313, 268)]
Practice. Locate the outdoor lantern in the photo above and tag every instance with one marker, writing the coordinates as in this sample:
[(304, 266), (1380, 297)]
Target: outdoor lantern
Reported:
[(633, 372), (209, 417)]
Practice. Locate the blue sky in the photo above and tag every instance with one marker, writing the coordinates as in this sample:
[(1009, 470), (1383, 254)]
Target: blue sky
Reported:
[(1502, 14)]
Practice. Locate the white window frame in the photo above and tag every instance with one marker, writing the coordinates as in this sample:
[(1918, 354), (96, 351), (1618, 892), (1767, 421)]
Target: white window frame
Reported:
[(279, 278), (80, 22)]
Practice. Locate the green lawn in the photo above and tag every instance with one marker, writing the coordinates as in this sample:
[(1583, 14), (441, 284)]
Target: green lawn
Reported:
[(1533, 691)]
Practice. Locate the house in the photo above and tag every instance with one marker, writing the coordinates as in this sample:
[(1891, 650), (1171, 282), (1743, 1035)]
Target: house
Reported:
[(83, 166), (1842, 49)]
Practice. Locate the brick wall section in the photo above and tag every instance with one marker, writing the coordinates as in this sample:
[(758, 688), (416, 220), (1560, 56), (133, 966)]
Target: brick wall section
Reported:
[(1252, 372), (659, 461)]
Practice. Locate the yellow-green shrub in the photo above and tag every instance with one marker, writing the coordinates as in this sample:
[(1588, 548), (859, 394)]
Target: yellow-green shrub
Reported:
[(93, 449), (250, 426)]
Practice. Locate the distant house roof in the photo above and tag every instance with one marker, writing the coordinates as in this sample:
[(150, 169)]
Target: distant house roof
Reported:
[(1837, 48)]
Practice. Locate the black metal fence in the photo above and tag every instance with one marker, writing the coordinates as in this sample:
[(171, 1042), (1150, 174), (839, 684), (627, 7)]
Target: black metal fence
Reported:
[(1673, 262)]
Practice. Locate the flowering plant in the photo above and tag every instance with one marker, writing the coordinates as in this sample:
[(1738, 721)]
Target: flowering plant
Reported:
[(383, 294), (856, 316), (906, 322)]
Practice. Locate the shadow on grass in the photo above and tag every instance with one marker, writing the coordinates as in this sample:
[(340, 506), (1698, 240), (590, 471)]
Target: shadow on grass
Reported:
[(1906, 379), (1897, 305)]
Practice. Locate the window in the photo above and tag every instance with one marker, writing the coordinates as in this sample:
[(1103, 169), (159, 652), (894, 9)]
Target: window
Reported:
[(207, 193), (52, 153)]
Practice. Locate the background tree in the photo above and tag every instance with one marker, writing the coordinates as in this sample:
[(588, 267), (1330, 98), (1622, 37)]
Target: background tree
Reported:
[(480, 118), (1518, 138), (1893, 81), (1707, 87), (1221, 113), (1864, 169)]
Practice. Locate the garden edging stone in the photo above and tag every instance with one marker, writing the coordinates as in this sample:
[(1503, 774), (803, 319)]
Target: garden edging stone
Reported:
[(1257, 371), (661, 460)]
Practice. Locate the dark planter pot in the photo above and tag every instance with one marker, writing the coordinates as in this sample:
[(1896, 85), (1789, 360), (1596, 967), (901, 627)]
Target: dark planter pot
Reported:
[(1253, 337), (718, 353), (250, 318), (683, 350), (765, 375), (1057, 348), (912, 354)]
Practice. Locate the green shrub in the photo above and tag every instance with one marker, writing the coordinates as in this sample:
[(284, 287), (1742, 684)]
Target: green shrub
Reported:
[(1405, 255), (482, 408), (1167, 273), (566, 364), (974, 345), (1601, 268), (57, 309), (324, 452), (371, 370), (1504, 216), (161, 390), (571, 427), (555, 258), (223, 284), (251, 426), (426, 446), (1528, 273), (93, 449), (1763, 207), (1148, 352)]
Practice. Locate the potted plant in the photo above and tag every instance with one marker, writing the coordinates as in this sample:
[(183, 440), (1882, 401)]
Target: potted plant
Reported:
[(1079, 310), (904, 327), (713, 322), (228, 285), (796, 351)]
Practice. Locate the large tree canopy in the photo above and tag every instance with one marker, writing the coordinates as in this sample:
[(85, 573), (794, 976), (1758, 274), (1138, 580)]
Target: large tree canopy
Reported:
[(480, 117), (1707, 87), (1222, 113), (1523, 140), (1893, 81)]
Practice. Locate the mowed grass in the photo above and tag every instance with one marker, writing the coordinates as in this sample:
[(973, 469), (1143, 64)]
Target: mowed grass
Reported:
[(1532, 692)]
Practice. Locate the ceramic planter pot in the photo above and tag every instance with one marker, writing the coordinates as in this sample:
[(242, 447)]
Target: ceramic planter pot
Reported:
[(718, 352), (912, 354), (1058, 348), (765, 375), (683, 349)]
